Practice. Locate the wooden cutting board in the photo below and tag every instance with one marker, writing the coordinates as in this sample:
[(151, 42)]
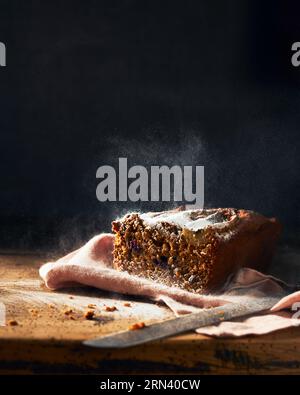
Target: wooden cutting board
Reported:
[(50, 327)]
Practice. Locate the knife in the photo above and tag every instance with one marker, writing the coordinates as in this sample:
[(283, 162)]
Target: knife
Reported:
[(183, 324)]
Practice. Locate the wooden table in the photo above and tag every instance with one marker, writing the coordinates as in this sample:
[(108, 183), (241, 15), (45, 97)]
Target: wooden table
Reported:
[(47, 340)]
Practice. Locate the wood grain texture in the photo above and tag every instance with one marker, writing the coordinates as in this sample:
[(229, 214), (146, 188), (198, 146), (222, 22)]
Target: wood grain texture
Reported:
[(46, 340)]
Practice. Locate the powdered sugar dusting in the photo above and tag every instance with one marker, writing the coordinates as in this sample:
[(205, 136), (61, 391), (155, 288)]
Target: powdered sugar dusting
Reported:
[(185, 219)]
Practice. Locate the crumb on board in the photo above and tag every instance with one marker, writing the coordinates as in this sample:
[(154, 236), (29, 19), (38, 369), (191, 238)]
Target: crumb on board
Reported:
[(89, 315), (110, 308), (13, 323), (127, 304), (91, 306), (137, 325), (71, 297), (51, 305), (72, 317), (34, 312), (68, 311)]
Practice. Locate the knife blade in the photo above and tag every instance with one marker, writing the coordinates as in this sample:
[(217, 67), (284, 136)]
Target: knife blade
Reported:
[(183, 324)]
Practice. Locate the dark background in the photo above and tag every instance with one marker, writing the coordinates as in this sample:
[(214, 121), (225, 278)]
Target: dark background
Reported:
[(160, 82)]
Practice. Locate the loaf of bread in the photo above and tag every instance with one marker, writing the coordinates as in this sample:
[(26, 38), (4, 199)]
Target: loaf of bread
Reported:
[(194, 249)]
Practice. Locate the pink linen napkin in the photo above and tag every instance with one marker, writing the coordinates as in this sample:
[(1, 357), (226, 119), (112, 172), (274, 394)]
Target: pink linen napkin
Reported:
[(92, 265)]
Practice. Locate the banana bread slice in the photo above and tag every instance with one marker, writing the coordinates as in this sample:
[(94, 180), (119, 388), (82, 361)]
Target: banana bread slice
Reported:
[(193, 249)]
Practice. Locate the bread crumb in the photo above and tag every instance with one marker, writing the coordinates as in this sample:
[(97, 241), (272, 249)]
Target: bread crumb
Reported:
[(137, 325), (89, 315), (71, 297), (127, 304), (110, 308), (91, 306), (51, 305), (72, 317), (68, 312), (13, 323)]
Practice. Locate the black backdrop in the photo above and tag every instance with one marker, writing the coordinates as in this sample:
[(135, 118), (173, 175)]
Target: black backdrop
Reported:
[(160, 82)]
